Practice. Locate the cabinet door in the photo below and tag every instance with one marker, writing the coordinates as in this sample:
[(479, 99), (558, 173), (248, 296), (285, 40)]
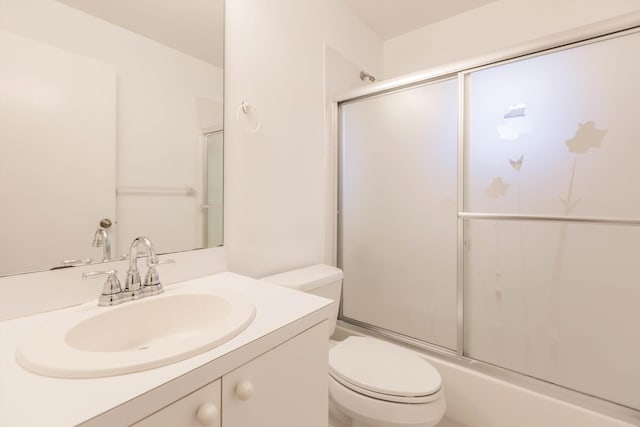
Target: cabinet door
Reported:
[(198, 409), (285, 387)]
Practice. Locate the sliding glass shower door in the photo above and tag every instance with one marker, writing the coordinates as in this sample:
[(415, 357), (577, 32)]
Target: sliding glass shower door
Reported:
[(213, 177), (556, 137), (515, 243), (398, 211)]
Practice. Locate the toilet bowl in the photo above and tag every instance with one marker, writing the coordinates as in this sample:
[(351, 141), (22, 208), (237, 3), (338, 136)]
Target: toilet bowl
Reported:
[(372, 383)]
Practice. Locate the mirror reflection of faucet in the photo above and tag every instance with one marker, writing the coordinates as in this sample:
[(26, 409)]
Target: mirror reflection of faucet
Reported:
[(75, 262), (134, 288), (102, 239)]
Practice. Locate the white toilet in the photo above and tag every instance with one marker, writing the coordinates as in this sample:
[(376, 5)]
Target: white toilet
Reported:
[(372, 383)]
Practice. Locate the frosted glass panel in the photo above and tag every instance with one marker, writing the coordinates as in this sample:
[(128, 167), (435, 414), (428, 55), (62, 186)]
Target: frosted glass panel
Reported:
[(557, 134), (556, 301), (398, 212), (215, 177)]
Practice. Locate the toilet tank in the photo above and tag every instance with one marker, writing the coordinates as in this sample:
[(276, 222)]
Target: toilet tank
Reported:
[(320, 279)]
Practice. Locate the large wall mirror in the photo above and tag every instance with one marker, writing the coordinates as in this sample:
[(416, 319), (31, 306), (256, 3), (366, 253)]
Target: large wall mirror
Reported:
[(110, 128)]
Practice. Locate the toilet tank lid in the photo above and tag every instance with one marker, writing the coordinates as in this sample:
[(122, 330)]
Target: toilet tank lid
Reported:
[(304, 279)]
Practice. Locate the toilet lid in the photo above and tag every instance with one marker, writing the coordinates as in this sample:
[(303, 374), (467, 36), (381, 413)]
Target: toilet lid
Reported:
[(385, 369)]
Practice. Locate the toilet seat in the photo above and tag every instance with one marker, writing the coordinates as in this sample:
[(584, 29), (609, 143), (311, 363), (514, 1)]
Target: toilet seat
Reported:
[(383, 371)]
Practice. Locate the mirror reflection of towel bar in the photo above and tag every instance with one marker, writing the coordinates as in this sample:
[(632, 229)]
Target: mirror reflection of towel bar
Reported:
[(160, 191)]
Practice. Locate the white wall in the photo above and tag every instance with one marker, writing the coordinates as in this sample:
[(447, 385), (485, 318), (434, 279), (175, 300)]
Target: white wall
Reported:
[(493, 27), (160, 96), (275, 179)]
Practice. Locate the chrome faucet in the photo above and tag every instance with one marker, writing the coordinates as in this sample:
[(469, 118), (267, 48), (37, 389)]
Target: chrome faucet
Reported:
[(133, 287), (113, 294), (102, 239)]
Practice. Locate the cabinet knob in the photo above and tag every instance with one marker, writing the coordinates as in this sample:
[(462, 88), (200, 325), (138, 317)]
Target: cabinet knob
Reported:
[(207, 414), (244, 390)]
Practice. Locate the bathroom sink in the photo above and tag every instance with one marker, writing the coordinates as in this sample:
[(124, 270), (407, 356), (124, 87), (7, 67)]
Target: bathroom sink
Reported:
[(136, 336)]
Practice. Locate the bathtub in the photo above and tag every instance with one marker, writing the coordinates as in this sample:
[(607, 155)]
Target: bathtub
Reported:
[(477, 399)]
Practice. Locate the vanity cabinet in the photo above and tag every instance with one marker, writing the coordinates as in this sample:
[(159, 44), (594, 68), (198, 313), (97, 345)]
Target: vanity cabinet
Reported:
[(284, 387), (272, 374), (198, 409)]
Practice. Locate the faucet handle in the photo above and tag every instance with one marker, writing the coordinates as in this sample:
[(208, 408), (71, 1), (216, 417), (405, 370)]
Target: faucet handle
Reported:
[(152, 285), (112, 291), (154, 262), (125, 256)]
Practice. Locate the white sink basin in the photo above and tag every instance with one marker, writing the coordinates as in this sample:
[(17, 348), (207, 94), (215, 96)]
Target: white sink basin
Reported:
[(136, 336)]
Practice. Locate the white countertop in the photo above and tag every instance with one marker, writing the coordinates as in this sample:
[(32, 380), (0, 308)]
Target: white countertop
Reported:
[(27, 399)]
